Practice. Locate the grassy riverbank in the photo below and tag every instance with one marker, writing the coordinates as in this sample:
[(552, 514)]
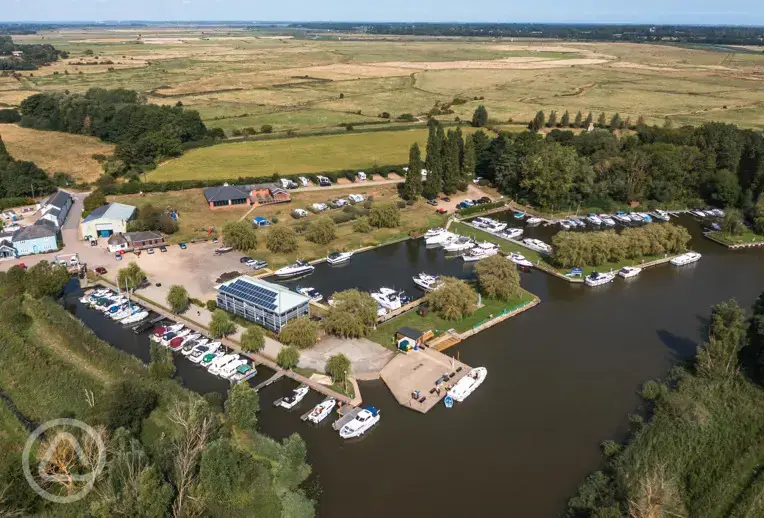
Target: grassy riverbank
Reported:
[(384, 333), (701, 450), (53, 367), (747, 237), (542, 260)]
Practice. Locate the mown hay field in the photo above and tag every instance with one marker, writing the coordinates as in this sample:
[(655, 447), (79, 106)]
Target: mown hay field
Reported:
[(293, 155), (56, 152)]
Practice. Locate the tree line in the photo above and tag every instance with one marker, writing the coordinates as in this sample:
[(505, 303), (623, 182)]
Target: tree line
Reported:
[(449, 162), (715, 163), (596, 248), (31, 58), (20, 179), (699, 450), (143, 133), (730, 35)]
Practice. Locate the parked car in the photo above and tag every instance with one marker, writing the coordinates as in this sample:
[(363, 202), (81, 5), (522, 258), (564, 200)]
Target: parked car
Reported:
[(163, 249), (299, 213), (485, 199), (100, 270), (356, 198), (245, 259), (150, 251), (182, 245), (446, 198), (432, 202), (214, 240), (441, 210), (256, 264), (118, 257)]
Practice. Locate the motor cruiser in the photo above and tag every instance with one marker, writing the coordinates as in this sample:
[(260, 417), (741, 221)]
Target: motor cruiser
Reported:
[(598, 279), (293, 270)]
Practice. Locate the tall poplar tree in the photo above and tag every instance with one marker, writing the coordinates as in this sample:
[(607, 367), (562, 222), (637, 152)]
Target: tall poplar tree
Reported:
[(468, 162), (412, 187), (565, 121), (579, 120), (433, 161), (451, 163)]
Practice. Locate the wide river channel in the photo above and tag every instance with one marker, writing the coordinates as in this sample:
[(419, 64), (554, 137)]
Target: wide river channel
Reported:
[(562, 377)]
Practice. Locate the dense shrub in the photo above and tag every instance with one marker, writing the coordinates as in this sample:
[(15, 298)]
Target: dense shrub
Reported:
[(9, 116), (385, 215), (127, 404)]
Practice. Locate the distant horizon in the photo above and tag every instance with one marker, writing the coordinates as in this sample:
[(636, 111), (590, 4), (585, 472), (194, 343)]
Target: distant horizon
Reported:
[(742, 13), (371, 22)]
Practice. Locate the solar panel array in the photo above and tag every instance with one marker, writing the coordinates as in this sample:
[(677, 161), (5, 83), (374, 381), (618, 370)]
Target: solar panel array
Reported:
[(252, 293)]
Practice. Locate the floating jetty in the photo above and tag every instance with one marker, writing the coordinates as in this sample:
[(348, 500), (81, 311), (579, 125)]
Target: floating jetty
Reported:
[(273, 379)]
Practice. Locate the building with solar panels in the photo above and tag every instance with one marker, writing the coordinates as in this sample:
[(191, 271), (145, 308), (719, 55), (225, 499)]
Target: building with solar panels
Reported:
[(262, 302)]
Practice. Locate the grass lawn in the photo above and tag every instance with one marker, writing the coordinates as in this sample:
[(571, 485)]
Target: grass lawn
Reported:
[(56, 152), (542, 260), (746, 237), (385, 332), (292, 155), (196, 217)]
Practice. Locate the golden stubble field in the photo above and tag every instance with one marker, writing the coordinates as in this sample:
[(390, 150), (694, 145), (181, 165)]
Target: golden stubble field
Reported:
[(246, 78)]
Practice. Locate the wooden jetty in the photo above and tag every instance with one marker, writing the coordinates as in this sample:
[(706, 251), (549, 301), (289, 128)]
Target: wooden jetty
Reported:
[(273, 379)]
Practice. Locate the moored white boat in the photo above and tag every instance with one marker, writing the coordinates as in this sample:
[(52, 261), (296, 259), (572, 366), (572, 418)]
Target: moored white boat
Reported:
[(365, 419), (537, 245), (209, 358), (438, 238), (339, 257), (635, 217), (564, 224), (459, 244), (312, 293), (689, 257), (607, 220), (622, 217), (661, 215), (533, 221), (593, 219), (293, 270), (134, 318), (698, 213), (426, 282), (294, 398), (221, 362), (511, 233), (230, 369), (387, 298), (519, 260), (481, 251), (598, 278), (468, 384), (321, 411), (629, 271)]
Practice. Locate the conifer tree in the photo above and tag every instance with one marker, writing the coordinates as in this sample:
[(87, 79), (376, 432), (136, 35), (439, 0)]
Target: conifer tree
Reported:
[(412, 187), (579, 120), (565, 121)]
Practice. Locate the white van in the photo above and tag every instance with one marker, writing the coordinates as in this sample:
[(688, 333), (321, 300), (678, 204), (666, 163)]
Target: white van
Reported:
[(361, 176), (323, 181), (304, 182)]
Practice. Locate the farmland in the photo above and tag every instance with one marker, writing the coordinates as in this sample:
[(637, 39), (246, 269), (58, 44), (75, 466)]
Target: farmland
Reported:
[(243, 79), (56, 152), (292, 156)]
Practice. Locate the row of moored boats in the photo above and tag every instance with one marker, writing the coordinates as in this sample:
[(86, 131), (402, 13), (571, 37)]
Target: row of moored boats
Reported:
[(628, 272), (115, 305)]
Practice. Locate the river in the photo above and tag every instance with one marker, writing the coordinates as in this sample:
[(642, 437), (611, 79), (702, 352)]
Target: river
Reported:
[(562, 378)]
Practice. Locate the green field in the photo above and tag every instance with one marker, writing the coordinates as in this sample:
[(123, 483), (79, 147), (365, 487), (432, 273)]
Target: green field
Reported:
[(292, 155)]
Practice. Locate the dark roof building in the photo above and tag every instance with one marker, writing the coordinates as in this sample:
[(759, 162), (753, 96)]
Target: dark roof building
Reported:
[(225, 195), (43, 228), (57, 208)]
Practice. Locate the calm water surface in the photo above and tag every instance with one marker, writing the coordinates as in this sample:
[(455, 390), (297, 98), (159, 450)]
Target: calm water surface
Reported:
[(562, 378)]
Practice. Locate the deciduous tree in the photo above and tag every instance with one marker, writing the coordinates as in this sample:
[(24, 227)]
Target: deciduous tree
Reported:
[(453, 300), (385, 215), (131, 277), (177, 298), (498, 278), (301, 332), (221, 324), (242, 406), (352, 315), (338, 367), (282, 240), (322, 231), (288, 357), (252, 339), (241, 235), (92, 201)]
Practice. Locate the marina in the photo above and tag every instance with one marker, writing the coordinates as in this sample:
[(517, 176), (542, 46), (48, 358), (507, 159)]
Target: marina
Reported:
[(605, 366)]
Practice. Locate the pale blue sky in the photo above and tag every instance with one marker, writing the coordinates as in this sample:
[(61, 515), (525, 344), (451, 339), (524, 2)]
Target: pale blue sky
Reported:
[(710, 12)]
